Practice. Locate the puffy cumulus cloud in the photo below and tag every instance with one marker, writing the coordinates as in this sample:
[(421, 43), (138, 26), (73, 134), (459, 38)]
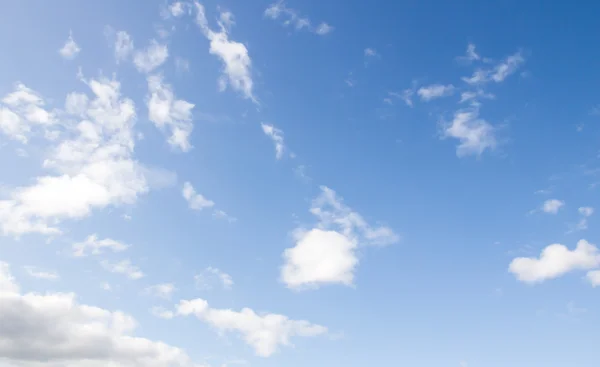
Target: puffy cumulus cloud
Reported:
[(92, 245), (290, 17), (92, 166), (124, 267), (169, 113), (234, 55), (319, 257), (276, 135), (594, 278), (22, 111), (475, 135), (195, 200), (555, 261), (434, 91), (327, 254), (70, 49), (265, 333), (552, 206), (150, 58), (209, 276), (55, 330)]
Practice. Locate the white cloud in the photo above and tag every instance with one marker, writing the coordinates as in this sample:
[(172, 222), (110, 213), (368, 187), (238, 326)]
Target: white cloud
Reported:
[(265, 333), (162, 290), (497, 73), (70, 49), (234, 55), (178, 8), (319, 257), (210, 275), (220, 214), (124, 267), (94, 246), (475, 134), (554, 261), (290, 17), (106, 286), (405, 96), (150, 58), (55, 330), (162, 313), (507, 67), (470, 55), (195, 201), (435, 91), (277, 136), (370, 52), (471, 96), (76, 103), (323, 29), (22, 111), (167, 112), (594, 278), (552, 206), (93, 168), (585, 212), (37, 273), (123, 46), (326, 254)]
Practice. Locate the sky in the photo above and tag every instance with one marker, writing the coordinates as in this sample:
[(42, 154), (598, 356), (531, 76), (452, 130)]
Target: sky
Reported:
[(256, 183)]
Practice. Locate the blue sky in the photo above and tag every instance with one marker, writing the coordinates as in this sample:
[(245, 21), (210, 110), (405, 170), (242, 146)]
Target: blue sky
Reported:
[(225, 183)]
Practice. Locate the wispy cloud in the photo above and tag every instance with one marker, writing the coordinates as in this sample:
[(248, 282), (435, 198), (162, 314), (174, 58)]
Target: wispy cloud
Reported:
[(291, 17), (209, 276), (195, 200), (234, 55), (276, 136), (95, 246), (162, 290), (430, 92), (38, 273), (124, 267)]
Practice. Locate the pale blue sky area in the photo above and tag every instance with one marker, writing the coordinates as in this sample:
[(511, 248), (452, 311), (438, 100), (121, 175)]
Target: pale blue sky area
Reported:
[(299, 183)]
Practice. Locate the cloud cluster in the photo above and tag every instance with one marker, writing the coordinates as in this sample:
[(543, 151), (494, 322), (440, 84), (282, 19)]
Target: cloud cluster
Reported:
[(169, 113), (557, 260), (237, 64), (92, 164), (22, 112), (265, 333), (326, 254), (55, 330)]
